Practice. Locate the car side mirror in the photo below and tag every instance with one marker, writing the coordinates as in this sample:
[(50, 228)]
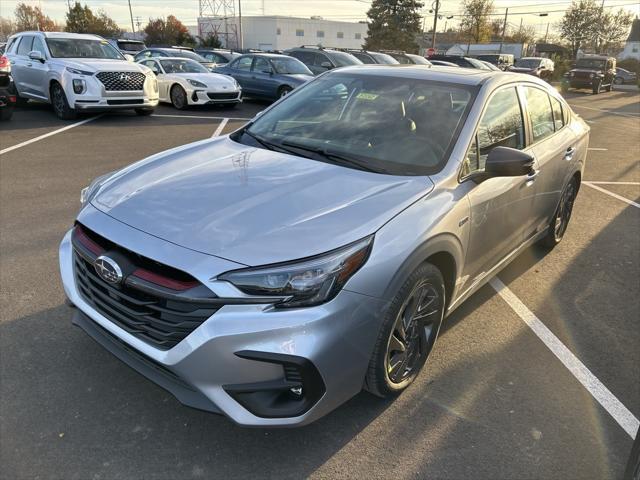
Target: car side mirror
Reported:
[(326, 65), (128, 58), (508, 162), (155, 71), (36, 55)]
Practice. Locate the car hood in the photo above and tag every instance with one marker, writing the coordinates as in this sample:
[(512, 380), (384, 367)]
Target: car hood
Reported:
[(98, 64), (522, 69), (253, 206), (209, 79)]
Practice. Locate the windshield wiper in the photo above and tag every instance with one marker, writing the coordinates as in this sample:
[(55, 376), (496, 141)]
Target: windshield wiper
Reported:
[(335, 157), (266, 144)]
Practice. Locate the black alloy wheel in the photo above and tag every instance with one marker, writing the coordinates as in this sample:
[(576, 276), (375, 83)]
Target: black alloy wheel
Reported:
[(561, 218), (413, 333), (408, 333)]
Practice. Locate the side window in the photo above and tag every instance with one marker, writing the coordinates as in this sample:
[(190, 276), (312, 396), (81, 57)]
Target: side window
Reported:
[(304, 57), (319, 59), (558, 118), (261, 65), (24, 47), (501, 126), (539, 107), (566, 114), (243, 63), (38, 45)]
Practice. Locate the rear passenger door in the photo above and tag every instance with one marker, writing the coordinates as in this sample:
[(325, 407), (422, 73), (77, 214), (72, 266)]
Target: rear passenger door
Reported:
[(19, 69), (552, 143), (262, 79), (240, 69)]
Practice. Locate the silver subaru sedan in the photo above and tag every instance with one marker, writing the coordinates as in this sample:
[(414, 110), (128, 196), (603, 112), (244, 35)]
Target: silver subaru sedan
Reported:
[(272, 274)]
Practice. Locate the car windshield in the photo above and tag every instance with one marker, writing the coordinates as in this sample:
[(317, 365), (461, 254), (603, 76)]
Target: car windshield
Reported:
[(475, 63), (82, 48), (342, 59), (290, 65), (528, 62), (383, 58), (591, 63), (131, 46), (182, 66), (418, 60), (383, 123)]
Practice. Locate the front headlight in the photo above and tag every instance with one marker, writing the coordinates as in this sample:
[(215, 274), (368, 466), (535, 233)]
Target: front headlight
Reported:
[(305, 283), (78, 72), (87, 193), (196, 83)]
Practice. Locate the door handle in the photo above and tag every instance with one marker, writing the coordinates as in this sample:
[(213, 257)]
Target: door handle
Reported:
[(568, 155), (531, 177)]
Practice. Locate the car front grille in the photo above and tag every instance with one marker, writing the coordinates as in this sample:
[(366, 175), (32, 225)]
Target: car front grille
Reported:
[(222, 96), (136, 101), (152, 313), (121, 81)]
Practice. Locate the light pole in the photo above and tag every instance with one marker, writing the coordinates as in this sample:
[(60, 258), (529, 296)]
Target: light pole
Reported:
[(436, 7)]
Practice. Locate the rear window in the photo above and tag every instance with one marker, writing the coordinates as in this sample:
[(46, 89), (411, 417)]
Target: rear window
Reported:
[(539, 107), (342, 59), (131, 46)]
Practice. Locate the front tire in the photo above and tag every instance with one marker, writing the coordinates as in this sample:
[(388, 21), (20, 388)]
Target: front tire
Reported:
[(284, 91), (178, 97), (408, 333), (562, 215), (60, 105), (596, 88)]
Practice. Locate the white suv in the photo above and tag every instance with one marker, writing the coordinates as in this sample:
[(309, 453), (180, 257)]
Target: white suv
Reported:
[(78, 72)]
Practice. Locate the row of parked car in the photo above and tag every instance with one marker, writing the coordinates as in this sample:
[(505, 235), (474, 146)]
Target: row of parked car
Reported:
[(79, 72)]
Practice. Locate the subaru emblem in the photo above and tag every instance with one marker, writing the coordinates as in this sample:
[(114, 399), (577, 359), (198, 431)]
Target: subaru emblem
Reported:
[(108, 270)]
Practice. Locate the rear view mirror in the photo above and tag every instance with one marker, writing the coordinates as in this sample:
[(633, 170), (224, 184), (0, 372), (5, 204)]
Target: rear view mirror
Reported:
[(508, 162), (326, 65)]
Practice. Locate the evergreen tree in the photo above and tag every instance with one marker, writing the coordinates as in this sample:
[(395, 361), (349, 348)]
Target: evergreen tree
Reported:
[(394, 24)]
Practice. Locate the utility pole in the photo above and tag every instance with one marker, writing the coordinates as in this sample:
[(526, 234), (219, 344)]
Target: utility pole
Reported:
[(546, 34), (504, 28), (436, 7), (240, 24), (133, 29)]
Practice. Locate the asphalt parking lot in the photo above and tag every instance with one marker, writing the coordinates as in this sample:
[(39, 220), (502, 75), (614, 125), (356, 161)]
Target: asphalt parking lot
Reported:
[(495, 400)]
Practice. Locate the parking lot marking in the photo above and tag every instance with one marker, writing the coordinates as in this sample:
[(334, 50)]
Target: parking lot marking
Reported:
[(218, 131), (198, 116), (612, 183), (42, 137), (598, 149), (595, 387), (611, 194), (629, 115)]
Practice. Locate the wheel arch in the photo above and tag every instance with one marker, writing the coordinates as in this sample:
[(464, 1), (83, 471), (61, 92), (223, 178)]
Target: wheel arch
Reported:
[(444, 251)]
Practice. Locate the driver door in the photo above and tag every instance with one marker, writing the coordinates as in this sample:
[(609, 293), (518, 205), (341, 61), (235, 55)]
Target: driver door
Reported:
[(501, 207)]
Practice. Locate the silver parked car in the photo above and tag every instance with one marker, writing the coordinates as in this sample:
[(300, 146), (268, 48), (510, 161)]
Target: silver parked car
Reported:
[(274, 273), (78, 72)]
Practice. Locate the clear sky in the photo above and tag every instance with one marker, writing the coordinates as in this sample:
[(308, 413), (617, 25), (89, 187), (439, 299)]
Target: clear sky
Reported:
[(345, 10)]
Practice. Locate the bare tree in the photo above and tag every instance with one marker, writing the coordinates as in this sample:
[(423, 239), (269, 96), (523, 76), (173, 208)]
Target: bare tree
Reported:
[(476, 23), (612, 28)]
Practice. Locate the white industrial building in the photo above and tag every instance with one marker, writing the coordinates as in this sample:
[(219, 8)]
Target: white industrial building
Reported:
[(280, 32)]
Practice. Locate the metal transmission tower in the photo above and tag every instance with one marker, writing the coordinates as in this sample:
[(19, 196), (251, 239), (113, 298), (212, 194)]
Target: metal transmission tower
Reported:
[(218, 17)]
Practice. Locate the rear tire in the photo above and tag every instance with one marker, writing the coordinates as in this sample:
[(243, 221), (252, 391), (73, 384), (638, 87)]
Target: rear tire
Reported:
[(178, 97), (6, 113), (596, 88), (560, 221), (408, 332), (60, 105), (144, 112)]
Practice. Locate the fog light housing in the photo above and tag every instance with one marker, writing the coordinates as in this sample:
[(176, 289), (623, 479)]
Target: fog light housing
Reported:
[(298, 390), (78, 86)]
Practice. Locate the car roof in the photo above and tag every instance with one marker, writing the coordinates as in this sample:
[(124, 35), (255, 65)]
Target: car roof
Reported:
[(85, 36), (269, 55), (182, 59), (466, 76)]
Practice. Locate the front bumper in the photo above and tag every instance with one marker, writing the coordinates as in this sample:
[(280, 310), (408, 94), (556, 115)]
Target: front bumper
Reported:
[(206, 97), (336, 338), (95, 97)]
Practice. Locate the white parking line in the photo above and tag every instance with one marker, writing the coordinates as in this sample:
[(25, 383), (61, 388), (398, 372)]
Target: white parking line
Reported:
[(595, 387), (598, 149), (42, 137), (611, 194), (198, 116), (220, 128), (612, 183), (629, 115)]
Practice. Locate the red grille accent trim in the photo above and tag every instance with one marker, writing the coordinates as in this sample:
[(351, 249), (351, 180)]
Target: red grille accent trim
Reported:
[(163, 281), (82, 237)]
